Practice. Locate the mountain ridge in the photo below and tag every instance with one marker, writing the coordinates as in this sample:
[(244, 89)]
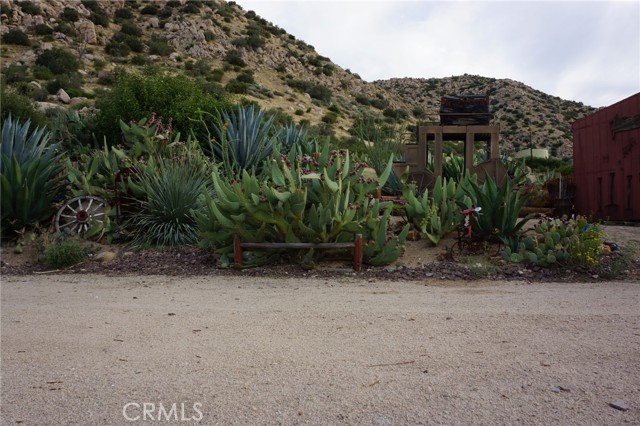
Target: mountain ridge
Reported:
[(228, 48)]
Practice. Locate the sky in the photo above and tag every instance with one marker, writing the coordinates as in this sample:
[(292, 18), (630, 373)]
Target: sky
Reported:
[(586, 51)]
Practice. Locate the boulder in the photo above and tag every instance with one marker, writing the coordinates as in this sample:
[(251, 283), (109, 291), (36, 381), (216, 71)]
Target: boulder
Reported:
[(88, 31), (63, 96)]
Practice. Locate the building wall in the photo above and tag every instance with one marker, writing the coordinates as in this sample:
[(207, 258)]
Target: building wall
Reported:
[(607, 162)]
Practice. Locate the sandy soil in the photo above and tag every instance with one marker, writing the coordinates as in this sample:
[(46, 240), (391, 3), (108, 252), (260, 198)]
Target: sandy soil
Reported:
[(260, 351)]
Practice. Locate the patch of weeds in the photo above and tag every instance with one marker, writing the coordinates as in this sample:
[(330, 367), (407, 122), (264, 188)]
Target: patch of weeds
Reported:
[(64, 253), (617, 264), (480, 266)]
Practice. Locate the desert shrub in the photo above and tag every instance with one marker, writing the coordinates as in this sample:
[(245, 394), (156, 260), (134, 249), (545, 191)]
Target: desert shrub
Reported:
[(123, 14), (98, 15), (238, 87), (66, 29), (139, 60), (133, 42), (15, 73), (59, 61), (165, 13), (321, 93), (43, 29), (117, 48), (246, 77), (233, 57), (209, 36), (217, 74), (199, 67), (330, 117), (150, 9), (328, 69), (69, 14), (20, 107), (138, 95), (64, 253), (363, 100), (16, 36), (29, 7), (130, 28), (67, 82), (160, 46)]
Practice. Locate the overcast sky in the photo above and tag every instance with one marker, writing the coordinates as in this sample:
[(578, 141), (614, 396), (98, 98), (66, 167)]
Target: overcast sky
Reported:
[(586, 51)]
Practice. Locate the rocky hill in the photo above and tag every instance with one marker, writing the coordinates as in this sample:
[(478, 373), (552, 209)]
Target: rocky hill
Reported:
[(229, 49)]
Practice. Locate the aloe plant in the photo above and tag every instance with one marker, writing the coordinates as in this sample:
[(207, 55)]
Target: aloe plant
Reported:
[(300, 198), (382, 142), (29, 168)]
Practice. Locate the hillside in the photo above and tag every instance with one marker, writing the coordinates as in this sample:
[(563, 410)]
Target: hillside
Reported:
[(228, 49)]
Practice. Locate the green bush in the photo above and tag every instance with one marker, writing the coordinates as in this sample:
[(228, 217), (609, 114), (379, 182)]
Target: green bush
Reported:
[(67, 82), (138, 95), (130, 28), (238, 87), (98, 15), (59, 61), (160, 46), (21, 107), (15, 73), (123, 14), (117, 48), (43, 29), (69, 14), (16, 36), (66, 253), (66, 29), (29, 7), (233, 57), (150, 9)]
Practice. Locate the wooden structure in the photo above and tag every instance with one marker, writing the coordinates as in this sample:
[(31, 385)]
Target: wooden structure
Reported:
[(429, 148), (357, 246), (606, 162)]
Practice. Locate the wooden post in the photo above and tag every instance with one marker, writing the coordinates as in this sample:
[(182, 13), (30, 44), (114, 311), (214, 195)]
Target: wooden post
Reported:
[(237, 251), (357, 254)]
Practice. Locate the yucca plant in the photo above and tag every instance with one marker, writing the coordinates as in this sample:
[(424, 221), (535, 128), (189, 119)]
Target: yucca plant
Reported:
[(243, 138), (29, 169), (168, 192)]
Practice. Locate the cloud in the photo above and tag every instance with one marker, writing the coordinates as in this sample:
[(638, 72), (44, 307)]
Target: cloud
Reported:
[(579, 50)]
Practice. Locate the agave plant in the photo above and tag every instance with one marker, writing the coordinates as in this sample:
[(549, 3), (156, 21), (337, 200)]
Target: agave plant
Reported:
[(168, 192), (29, 169), (243, 139), (500, 207)]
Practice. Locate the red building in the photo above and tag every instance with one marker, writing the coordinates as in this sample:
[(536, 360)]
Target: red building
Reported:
[(606, 162)]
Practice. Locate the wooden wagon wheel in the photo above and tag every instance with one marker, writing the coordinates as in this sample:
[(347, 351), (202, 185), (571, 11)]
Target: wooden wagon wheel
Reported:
[(79, 214)]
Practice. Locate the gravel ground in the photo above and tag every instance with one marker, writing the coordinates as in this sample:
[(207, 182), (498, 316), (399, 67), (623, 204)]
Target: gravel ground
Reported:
[(77, 348)]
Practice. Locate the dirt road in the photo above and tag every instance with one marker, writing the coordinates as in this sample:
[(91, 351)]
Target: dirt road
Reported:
[(90, 350)]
